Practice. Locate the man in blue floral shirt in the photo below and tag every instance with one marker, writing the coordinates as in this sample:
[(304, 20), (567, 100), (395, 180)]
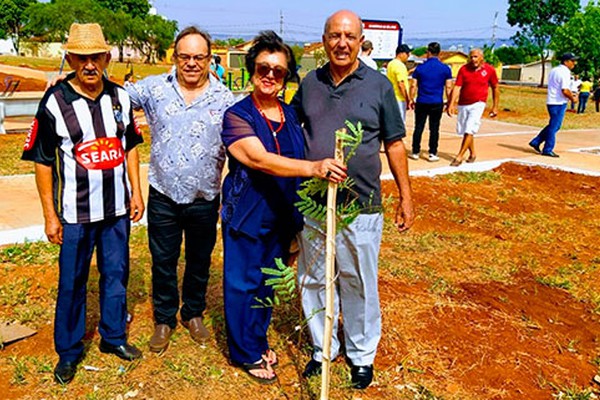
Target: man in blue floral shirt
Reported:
[(184, 109)]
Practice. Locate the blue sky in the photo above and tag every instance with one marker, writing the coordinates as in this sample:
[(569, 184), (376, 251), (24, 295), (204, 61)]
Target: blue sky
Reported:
[(303, 20)]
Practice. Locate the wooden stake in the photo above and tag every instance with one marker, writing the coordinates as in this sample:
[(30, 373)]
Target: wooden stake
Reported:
[(329, 276)]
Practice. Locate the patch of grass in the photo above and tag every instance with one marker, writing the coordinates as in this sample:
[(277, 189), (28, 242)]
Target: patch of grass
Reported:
[(11, 148), (441, 286), (30, 253), (555, 282), (527, 106), (182, 369), (572, 392), (32, 313), (417, 392), (499, 272), (474, 177), (15, 293), (20, 370), (455, 200), (43, 365)]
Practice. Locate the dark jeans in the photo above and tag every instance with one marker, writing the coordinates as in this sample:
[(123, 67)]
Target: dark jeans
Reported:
[(167, 223), (434, 112), (583, 98), (110, 237)]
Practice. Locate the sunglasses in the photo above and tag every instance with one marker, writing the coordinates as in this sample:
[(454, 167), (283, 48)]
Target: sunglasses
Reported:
[(278, 72)]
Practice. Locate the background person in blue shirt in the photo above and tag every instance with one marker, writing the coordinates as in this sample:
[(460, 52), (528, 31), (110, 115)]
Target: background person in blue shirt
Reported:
[(430, 78), (218, 68)]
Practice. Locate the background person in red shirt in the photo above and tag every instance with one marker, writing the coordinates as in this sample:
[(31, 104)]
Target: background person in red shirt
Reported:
[(470, 92)]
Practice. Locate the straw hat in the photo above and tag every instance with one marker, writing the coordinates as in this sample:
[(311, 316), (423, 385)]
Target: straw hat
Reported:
[(86, 39)]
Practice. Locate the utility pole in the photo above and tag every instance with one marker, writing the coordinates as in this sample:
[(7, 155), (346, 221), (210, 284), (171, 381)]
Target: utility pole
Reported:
[(494, 31), (281, 23)]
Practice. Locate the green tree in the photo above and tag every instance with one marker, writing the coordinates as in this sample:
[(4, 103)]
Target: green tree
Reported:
[(117, 26), (134, 8), (510, 55), (12, 19), (419, 51), (537, 21), (152, 36), (490, 56), (51, 21), (123, 21), (229, 42), (298, 53), (581, 35), (123, 15)]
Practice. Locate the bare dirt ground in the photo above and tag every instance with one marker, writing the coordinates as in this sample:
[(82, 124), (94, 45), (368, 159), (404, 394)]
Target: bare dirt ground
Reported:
[(25, 84), (492, 295)]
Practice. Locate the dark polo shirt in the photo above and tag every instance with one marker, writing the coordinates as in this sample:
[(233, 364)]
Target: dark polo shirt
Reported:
[(365, 96)]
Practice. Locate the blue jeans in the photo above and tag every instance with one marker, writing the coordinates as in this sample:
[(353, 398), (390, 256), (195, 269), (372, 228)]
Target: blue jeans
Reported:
[(548, 134), (167, 223), (583, 98)]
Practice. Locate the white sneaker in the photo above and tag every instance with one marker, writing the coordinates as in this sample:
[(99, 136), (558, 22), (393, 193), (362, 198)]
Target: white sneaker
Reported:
[(433, 157), (414, 156)]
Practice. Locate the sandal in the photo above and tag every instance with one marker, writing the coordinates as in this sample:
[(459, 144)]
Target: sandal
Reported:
[(456, 162), (258, 366), (271, 357), (471, 159)]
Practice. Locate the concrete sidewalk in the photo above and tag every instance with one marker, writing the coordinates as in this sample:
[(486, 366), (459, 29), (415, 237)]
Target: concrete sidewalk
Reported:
[(21, 215)]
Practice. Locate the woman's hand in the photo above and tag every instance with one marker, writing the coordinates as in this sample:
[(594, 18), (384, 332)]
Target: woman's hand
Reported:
[(330, 169)]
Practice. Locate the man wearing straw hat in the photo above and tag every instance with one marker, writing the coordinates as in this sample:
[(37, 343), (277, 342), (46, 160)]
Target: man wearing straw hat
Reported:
[(82, 141)]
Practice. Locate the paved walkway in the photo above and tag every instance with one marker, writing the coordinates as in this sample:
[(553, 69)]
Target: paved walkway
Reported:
[(21, 215)]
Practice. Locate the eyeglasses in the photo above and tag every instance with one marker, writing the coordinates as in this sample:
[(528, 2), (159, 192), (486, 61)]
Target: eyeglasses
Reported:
[(278, 72), (186, 58)]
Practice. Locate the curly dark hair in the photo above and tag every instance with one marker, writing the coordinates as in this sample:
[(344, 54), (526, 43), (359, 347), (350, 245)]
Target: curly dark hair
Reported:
[(271, 42)]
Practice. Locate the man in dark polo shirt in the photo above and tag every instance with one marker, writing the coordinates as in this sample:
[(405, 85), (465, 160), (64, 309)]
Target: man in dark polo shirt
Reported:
[(430, 78), (344, 89)]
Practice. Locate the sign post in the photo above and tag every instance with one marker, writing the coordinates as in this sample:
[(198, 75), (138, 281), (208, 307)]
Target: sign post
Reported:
[(385, 36)]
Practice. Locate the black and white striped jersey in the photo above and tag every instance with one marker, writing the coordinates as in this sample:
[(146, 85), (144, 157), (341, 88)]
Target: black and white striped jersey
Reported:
[(86, 143)]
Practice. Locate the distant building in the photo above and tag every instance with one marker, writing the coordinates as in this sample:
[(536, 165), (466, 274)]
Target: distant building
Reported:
[(453, 59), (36, 47), (6, 47), (526, 73)]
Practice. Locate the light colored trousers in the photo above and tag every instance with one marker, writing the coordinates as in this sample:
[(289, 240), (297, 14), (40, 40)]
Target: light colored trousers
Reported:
[(357, 251), (402, 106)]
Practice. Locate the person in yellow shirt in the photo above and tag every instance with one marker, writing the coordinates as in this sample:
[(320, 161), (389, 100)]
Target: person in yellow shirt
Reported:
[(584, 94), (398, 75)]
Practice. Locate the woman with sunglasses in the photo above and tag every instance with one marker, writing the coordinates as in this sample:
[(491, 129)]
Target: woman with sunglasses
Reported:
[(265, 146)]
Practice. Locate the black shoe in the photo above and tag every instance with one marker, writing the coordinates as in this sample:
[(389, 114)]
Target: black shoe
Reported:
[(536, 147), (362, 375), (124, 351), (312, 368), (551, 154), (64, 372)]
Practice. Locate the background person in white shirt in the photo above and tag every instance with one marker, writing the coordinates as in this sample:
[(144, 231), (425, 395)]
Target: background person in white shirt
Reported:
[(559, 93), (365, 54), (575, 83)]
